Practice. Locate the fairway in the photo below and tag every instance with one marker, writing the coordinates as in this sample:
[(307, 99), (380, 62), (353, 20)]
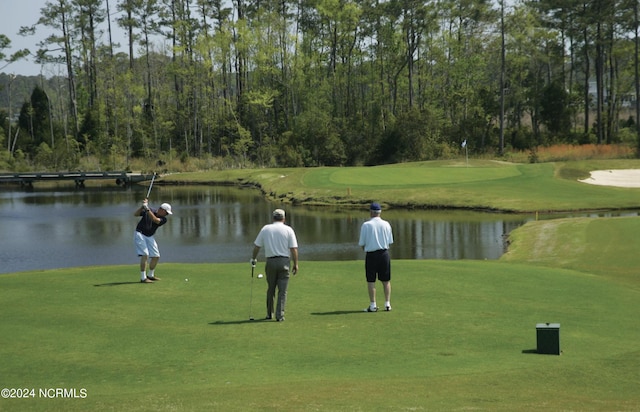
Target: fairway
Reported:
[(407, 176), (478, 184), (460, 337)]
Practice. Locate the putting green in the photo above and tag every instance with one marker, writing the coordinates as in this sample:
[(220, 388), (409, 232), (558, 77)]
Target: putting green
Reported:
[(480, 184), (384, 176)]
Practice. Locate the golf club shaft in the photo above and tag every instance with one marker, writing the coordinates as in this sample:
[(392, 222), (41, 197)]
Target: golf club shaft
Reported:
[(151, 185), (251, 295)]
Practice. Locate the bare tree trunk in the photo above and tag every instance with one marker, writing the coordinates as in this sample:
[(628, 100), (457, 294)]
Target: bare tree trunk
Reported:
[(599, 83), (587, 74), (502, 74), (73, 101), (637, 71)]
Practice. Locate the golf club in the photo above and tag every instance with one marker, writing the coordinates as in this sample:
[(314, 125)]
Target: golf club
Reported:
[(253, 266), (151, 185)]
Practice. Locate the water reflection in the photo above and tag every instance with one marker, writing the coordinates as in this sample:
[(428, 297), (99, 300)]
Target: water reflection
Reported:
[(65, 227)]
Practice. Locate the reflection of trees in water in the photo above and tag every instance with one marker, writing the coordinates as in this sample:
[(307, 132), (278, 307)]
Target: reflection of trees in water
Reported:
[(218, 224)]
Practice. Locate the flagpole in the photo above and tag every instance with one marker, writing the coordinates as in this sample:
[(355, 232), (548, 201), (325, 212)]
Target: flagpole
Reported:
[(466, 152)]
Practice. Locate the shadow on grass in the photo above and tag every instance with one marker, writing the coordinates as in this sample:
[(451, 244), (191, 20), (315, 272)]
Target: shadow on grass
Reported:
[(337, 312), (117, 284), (238, 322), (535, 352)]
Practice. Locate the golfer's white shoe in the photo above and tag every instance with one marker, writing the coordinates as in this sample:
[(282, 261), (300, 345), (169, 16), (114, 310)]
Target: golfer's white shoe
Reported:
[(371, 309), (387, 308)]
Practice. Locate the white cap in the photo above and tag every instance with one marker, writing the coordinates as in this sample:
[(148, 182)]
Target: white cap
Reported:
[(167, 207)]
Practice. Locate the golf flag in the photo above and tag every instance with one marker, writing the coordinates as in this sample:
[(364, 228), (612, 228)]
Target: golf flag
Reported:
[(464, 144)]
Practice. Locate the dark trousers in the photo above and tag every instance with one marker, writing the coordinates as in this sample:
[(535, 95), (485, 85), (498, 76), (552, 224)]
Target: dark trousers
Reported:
[(277, 269)]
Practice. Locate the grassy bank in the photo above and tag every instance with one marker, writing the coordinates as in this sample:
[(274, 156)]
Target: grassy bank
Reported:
[(461, 335), (485, 185)]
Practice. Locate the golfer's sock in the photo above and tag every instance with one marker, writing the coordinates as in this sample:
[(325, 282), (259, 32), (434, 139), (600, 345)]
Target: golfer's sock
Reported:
[(143, 275), (152, 273), (387, 304), (372, 305)]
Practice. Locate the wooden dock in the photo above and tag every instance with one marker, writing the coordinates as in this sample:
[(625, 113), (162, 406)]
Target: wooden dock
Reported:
[(28, 179)]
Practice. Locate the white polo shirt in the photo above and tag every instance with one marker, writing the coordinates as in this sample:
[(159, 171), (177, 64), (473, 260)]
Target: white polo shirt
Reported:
[(276, 239), (375, 234)]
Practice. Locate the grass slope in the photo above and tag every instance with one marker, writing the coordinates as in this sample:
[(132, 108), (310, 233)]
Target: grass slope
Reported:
[(458, 338), (607, 247), (480, 185)]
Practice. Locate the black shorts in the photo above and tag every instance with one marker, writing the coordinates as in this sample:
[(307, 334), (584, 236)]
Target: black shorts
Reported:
[(378, 265)]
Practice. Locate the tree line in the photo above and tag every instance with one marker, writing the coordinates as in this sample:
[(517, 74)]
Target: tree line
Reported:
[(324, 82)]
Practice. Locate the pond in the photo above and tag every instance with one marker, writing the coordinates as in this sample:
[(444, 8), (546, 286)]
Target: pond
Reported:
[(57, 227)]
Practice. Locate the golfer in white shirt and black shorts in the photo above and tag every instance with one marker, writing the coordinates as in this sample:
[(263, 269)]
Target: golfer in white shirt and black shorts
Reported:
[(375, 238)]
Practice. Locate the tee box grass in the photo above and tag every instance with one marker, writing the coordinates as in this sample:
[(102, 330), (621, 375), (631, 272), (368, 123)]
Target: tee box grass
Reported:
[(461, 336)]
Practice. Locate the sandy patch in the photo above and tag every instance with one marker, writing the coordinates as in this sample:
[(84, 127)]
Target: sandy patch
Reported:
[(618, 178)]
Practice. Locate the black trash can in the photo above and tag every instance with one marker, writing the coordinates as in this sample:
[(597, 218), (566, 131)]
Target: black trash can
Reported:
[(548, 338)]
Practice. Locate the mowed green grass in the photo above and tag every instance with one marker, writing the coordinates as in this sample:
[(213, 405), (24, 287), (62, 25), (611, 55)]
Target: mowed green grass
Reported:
[(606, 247), (461, 335), (479, 184)]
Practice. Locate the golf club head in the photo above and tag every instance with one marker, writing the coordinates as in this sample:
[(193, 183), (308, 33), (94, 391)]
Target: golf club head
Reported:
[(251, 318)]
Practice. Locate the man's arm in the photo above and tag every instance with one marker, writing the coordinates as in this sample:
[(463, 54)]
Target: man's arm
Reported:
[(294, 256), (256, 250), (145, 208), (153, 216)]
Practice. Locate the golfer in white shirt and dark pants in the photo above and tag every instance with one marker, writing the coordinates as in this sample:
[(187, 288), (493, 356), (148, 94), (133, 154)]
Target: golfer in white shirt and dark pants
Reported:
[(280, 247)]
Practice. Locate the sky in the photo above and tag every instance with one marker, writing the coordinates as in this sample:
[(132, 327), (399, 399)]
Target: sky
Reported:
[(17, 13), (14, 14)]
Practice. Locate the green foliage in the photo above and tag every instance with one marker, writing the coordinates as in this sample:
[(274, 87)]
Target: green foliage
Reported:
[(555, 113), (627, 135), (240, 147), (319, 135), (413, 136), (5, 160), (44, 158), (341, 82), (289, 152), (90, 128)]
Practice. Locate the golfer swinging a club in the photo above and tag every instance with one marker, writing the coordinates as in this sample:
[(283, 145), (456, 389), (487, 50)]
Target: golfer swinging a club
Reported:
[(146, 246), (375, 238), (280, 247)]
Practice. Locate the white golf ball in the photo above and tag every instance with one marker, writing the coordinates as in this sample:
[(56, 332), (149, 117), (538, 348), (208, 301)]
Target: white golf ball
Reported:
[(260, 276), (186, 280)]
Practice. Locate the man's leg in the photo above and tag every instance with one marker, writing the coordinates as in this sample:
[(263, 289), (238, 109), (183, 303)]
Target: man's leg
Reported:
[(283, 285), (370, 274), (272, 282), (387, 294), (154, 262), (143, 263), (371, 286), (143, 269), (152, 267)]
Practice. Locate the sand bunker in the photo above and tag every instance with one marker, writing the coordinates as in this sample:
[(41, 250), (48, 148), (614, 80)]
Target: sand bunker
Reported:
[(618, 178)]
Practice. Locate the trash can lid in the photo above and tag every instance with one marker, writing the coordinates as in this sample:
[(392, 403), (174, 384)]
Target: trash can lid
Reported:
[(548, 326)]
